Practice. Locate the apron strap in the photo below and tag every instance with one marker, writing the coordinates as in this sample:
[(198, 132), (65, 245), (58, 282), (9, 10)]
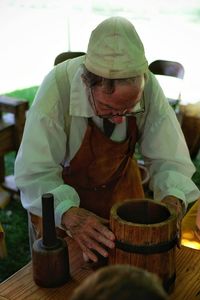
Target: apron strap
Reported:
[(133, 134)]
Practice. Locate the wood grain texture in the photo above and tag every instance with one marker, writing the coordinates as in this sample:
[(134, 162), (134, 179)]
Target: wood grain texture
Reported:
[(146, 232), (188, 275), (21, 286)]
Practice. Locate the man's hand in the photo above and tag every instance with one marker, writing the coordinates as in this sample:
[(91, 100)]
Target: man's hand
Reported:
[(178, 207), (176, 204), (89, 231)]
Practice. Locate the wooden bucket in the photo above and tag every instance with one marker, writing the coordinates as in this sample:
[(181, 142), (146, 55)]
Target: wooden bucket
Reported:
[(145, 233)]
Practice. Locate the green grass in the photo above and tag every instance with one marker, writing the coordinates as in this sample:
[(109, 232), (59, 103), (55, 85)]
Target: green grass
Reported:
[(14, 221), (14, 217), (26, 94)]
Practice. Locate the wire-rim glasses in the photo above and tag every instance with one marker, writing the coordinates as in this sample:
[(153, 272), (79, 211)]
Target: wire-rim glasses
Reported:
[(137, 111)]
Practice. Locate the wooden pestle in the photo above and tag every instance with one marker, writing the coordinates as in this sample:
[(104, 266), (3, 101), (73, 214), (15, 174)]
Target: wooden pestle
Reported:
[(50, 257)]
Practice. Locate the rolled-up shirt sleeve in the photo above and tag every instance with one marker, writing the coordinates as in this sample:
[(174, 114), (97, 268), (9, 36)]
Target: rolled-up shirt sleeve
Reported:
[(38, 167), (165, 151)]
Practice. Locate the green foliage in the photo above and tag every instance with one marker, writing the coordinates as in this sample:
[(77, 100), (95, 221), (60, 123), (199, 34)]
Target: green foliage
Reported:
[(196, 176), (14, 221), (25, 94), (9, 163)]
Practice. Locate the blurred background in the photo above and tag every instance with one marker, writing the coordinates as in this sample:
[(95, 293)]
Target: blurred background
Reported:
[(33, 32)]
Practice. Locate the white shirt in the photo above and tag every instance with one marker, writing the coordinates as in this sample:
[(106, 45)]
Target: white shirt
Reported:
[(47, 143)]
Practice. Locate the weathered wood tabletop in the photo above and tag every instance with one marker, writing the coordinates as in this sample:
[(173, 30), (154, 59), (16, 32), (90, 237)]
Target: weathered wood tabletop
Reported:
[(187, 287)]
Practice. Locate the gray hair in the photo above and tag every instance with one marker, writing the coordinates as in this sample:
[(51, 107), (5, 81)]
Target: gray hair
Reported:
[(91, 80)]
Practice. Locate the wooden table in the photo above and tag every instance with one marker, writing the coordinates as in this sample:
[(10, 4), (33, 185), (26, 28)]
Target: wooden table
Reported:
[(12, 120), (21, 285)]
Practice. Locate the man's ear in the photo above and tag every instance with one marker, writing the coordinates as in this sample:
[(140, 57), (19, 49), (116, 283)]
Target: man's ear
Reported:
[(85, 81)]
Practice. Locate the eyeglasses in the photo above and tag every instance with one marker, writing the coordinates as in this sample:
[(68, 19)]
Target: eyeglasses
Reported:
[(139, 108)]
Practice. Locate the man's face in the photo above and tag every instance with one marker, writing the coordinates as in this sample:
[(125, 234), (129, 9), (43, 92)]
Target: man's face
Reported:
[(121, 101)]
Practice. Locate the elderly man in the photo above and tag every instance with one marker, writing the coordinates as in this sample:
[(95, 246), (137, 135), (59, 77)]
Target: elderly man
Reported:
[(80, 137)]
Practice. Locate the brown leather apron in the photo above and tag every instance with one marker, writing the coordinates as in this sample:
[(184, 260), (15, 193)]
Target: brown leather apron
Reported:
[(103, 171)]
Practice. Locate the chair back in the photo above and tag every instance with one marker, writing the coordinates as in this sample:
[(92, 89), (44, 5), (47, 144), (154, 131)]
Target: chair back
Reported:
[(66, 55), (170, 75), (12, 121), (167, 68)]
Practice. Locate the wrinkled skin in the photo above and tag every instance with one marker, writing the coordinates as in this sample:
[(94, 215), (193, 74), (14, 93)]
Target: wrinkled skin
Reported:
[(89, 231)]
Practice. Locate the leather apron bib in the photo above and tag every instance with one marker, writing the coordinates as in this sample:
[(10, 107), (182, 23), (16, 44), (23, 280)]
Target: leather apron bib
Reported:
[(104, 172)]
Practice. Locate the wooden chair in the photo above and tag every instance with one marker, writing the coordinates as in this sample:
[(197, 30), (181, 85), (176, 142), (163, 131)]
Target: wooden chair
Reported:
[(190, 124), (167, 68), (12, 121), (66, 55), (170, 69)]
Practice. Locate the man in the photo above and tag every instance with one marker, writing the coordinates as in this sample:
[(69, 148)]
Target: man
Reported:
[(66, 150), (120, 282)]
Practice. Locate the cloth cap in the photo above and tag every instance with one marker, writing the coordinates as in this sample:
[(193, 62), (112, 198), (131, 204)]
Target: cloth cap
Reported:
[(115, 50)]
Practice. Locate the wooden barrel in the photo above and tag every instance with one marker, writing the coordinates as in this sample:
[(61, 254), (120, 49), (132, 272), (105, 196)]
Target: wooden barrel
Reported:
[(145, 233)]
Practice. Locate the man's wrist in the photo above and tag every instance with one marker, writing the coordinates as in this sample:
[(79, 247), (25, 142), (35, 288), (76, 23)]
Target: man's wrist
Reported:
[(176, 203), (65, 216)]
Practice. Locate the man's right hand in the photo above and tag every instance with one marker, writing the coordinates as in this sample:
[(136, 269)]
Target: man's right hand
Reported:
[(90, 231)]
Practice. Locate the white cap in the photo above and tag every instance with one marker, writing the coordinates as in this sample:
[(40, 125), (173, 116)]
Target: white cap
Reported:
[(115, 50)]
